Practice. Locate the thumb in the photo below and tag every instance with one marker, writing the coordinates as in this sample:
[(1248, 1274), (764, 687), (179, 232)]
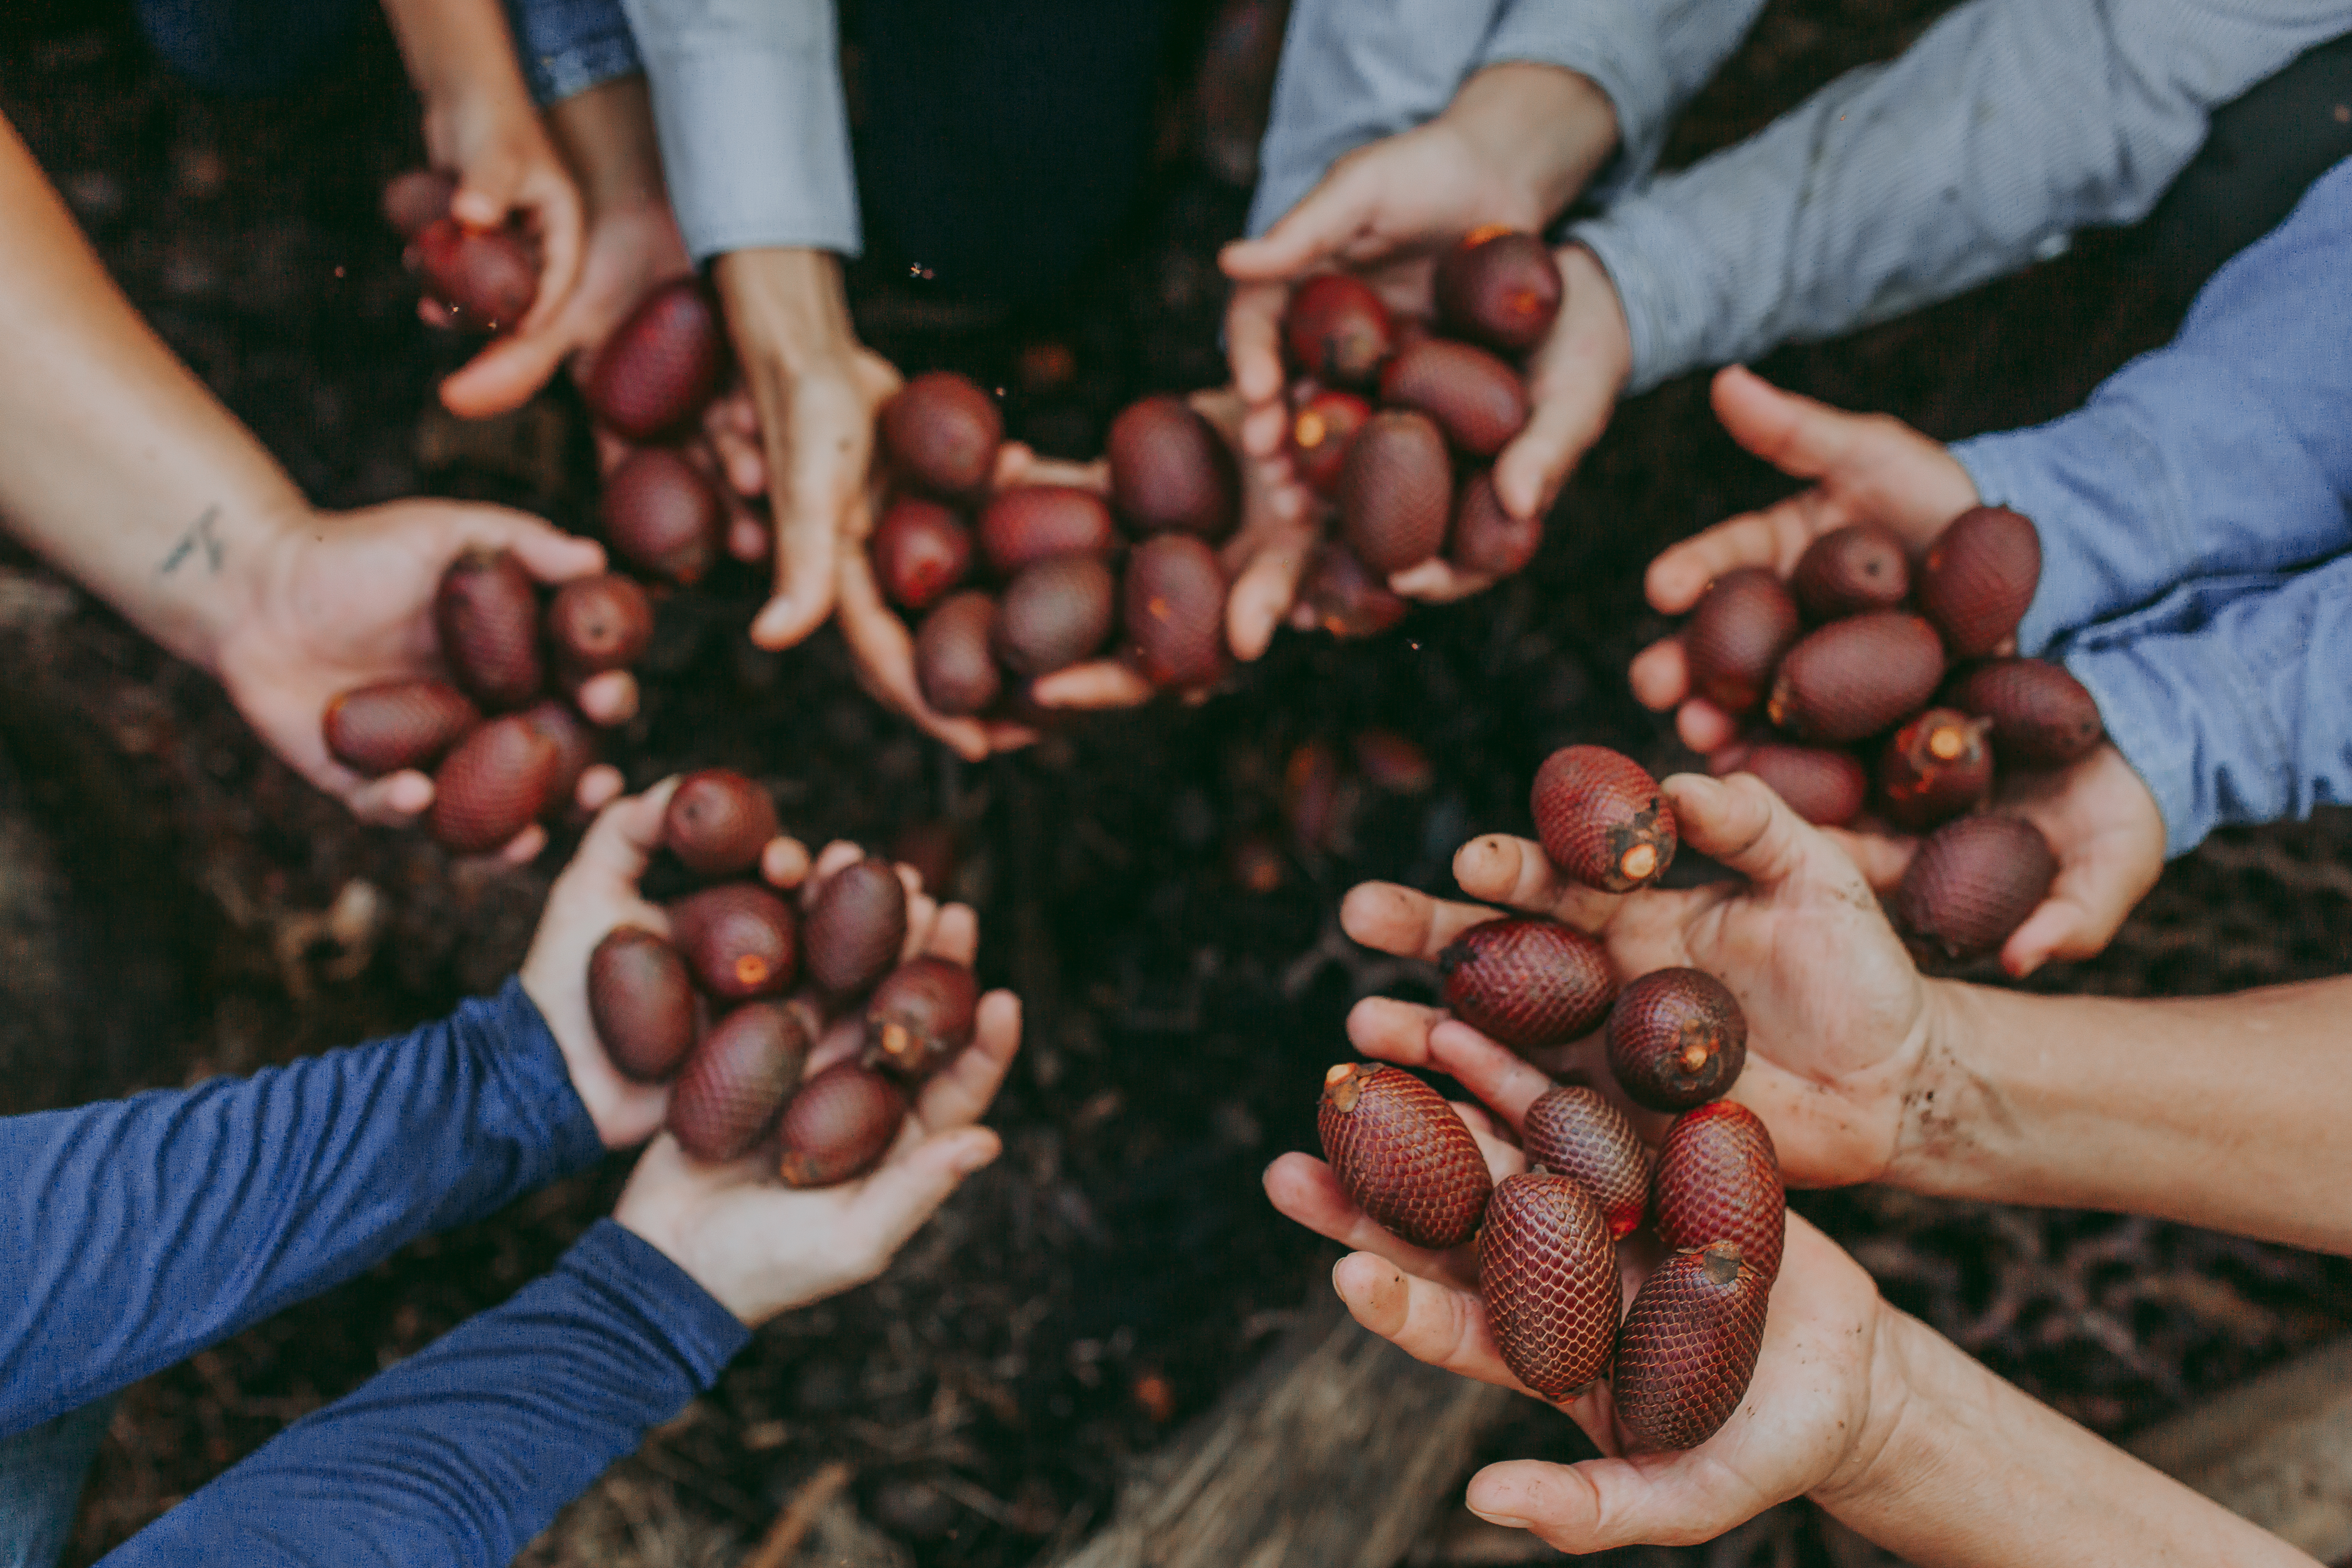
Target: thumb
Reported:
[(1799, 436), (1530, 471), (898, 1198), (505, 375), (620, 843), (545, 551), (1740, 822), (1324, 219), (1605, 1503)]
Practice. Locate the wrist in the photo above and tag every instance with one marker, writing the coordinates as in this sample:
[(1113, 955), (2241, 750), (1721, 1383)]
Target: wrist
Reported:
[(1951, 1108), (1895, 1443), (786, 307), (1593, 316), (1545, 131), (229, 574)]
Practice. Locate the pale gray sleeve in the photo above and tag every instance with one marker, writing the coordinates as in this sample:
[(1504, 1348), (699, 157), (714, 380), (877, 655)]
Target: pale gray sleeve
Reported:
[(754, 130), (2007, 127)]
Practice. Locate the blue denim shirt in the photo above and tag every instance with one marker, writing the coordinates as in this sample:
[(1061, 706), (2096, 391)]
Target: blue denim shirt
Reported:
[(2195, 516)]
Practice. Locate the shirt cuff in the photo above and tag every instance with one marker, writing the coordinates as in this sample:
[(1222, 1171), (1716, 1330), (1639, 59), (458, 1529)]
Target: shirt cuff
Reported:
[(655, 1302), (534, 1081), (1660, 284), (2143, 718), (567, 46), (755, 143), (1613, 43)]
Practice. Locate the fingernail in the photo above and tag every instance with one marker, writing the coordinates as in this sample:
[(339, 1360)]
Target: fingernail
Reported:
[(1508, 1522), (976, 1157)]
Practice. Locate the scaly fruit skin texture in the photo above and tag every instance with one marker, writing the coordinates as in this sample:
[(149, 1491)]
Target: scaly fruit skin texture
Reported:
[(1602, 819), (1345, 598), (493, 785), (921, 550), (1548, 1271), (1688, 1349), (740, 939), (1823, 786), (855, 927), (1849, 570), (922, 1014), (941, 432), (487, 613), (839, 1125), (1403, 1154), (1501, 287), (1486, 538), (2041, 716), (1572, 1131), (1736, 635), (1396, 491), (1719, 1180), (1337, 330), (952, 661), (1855, 676), (1173, 607), (1055, 613), (661, 365), (1477, 400), (574, 743), (1934, 768), (1320, 433), (1030, 522), (1527, 984), (660, 515), (396, 724), (1677, 1038), (1979, 578), (1973, 883), (642, 1001), (718, 822), (736, 1082), (1171, 472)]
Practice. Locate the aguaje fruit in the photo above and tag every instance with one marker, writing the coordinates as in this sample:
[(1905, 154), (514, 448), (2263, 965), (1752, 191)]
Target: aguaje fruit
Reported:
[(1030, 522), (953, 664), (1055, 613), (1572, 1131), (1337, 330), (941, 432), (1677, 1038), (1345, 598), (1548, 1274), (921, 550), (839, 1125), (1402, 1153), (1501, 287), (1979, 578), (492, 785), (661, 365), (1477, 399), (1320, 433), (1173, 607), (922, 1014), (1849, 570), (642, 1001), (1171, 472), (1823, 786), (718, 822), (1718, 1179), (1602, 819), (1932, 768), (486, 277), (599, 622), (741, 940), (2041, 716), (1854, 677), (736, 1082), (855, 927), (1396, 491), (574, 743), (1486, 538), (1688, 1348), (396, 724), (1973, 883), (487, 612), (1527, 984), (661, 516), (1737, 636)]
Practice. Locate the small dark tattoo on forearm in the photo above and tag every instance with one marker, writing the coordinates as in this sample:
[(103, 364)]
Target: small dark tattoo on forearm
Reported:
[(202, 534)]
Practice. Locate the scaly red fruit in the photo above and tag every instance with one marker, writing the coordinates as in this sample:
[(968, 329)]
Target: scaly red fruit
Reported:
[(1337, 330), (2041, 716), (1677, 1038), (1486, 538), (1688, 1349), (662, 364), (1934, 768), (1973, 883), (1320, 433), (1737, 636), (576, 748), (921, 550), (1979, 578), (487, 613), (923, 1012), (941, 432), (599, 622), (1402, 1153), (1572, 1131), (1602, 818), (1823, 786), (397, 724), (1501, 287), (1477, 400), (1057, 612), (839, 1125), (736, 1082), (953, 663), (1718, 1179), (642, 1001), (740, 939), (492, 786), (486, 277), (1029, 522), (1856, 676), (1173, 607), (1548, 1271), (1344, 597), (857, 927), (1849, 570), (718, 822), (1396, 491), (1171, 472), (1527, 984), (661, 516)]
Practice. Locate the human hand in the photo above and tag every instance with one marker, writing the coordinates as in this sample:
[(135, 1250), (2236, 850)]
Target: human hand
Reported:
[(337, 601), (597, 892)]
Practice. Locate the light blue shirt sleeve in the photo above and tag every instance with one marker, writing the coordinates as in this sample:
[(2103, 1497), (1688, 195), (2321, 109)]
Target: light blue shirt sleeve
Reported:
[(2007, 127)]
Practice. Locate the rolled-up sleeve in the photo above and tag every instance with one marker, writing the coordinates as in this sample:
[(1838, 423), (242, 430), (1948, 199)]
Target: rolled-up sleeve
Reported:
[(754, 126), (567, 46)]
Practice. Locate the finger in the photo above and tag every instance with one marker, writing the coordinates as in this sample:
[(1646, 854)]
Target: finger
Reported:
[(1657, 1499), (1660, 675), (743, 462), (1254, 342), (554, 203), (1000, 735), (955, 935), (1517, 873), (543, 550), (1440, 582), (1741, 823), (905, 1191), (1567, 418), (525, 846), (608, 698), (1773, 538), (821, 496), (392, 800), (619, 845), (959, 1094), (1704, 727), (1267, 588), (784, 862), (600, 785), (507, 373), (1881, 858), (1325, 221), (1501, 1078), (1305, 1190), (1091, 687), (1404, 921), (1429, 1322), (831, 861), (884, 654), (1390, 1030), (486, 194), (1802, 437), (1264, 429)]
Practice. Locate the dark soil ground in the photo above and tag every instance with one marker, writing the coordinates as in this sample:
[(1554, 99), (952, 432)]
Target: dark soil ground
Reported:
[(1116, 1270)]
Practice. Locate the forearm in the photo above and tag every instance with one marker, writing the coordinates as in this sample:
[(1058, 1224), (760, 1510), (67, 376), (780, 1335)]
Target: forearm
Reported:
[(116, 464), (1974, 1474), (606, 136), (457, 52), (2230, 1112)]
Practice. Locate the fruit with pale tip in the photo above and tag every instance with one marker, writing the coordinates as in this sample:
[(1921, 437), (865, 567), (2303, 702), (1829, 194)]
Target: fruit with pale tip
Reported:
[(1737, 634), (740, 939), (1934, 768), (1402, 1153), (1856, 676), (1602, 818), (923, 1012), (1687, 1351), (1336, 329), (1501, 287), (1718, 1179), (839, 1125), (1677, 1038)]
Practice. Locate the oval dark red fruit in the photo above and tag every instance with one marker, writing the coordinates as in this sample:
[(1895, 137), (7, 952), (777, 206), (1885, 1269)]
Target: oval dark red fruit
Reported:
[(599, 622), (1973, 883), (1718, 1179), (855, 927), (1688, 1349), (1402, 1153), (1477, 399), (486, 277), (1572, 1131), (1825, 787), (1173, 607), (1527, 984), (839, 1125), (1737, 634), (1171, 472), (642, 1002), (1486, 538), (1677, 1038), (660, 515), (1396, 491), (1501, 287), (921, 550), (1055, 613), (954, 662), (1856, 676), (740, 939), (1849, 570), (737, 1080), (397, 724), (923, 1012), (1320, 433), (1979, 578), (1336, 329), (941, 432), (1030, 522), (487, 612), (1602, 818), (661, 365), (1932, 768), (1345, 598), (2041, 716), (492, 785), (718, 822), (576, 748), (1548, 1270)]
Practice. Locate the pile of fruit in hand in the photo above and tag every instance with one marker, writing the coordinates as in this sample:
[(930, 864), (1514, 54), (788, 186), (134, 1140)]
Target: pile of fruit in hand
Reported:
[(719, 1005), (486, 279), (1679, 1359), (1885, 687)]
